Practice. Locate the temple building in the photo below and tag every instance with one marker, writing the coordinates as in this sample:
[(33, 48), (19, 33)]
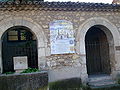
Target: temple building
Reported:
[(68, 39)]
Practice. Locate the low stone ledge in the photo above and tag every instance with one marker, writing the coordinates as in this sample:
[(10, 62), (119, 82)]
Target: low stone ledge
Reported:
[(27, 81)]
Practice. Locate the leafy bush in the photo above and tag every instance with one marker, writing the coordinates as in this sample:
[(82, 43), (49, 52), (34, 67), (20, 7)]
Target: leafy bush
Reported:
[(9, 73), (118, 81), (30, 70)]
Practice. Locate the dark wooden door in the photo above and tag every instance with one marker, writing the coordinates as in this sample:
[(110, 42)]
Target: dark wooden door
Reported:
[(93, 57), (97, 52)]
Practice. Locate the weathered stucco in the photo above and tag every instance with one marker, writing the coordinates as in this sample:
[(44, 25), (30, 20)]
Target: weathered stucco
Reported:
[(38, 22)]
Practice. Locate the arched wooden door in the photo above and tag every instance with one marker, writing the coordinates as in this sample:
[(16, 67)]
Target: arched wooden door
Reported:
[(18, 41), (97, 52)]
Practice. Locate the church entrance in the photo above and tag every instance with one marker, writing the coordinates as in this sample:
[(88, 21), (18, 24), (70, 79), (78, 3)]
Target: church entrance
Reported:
[(97, 51)]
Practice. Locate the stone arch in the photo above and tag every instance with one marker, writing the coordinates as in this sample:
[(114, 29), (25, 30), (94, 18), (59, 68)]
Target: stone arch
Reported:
[(29, 23), (112, 33)]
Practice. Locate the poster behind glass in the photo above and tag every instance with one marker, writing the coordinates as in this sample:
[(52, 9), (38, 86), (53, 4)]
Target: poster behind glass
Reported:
[(62, 37)]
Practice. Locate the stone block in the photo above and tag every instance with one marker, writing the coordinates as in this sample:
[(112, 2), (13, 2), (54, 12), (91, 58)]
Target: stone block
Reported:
[(42, 62), (75, 57), (18, 22), (41, 42), (63, 73), (47, 51), (41, 52)]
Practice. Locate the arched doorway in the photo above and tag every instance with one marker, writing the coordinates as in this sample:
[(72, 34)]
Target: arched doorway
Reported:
[(97, 51), (18, 41)]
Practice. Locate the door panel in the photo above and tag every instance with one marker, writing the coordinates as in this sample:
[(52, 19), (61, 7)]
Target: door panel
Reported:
[(97, 52)]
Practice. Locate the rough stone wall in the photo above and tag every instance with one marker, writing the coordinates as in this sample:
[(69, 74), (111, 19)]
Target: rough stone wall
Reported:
[(43, 18), (77, 18)]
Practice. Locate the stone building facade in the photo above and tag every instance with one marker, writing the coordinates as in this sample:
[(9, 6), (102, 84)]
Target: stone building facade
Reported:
[(38, 15)]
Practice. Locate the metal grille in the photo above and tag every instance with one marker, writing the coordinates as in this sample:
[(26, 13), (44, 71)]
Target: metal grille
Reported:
[(97, 55), (13, 49)]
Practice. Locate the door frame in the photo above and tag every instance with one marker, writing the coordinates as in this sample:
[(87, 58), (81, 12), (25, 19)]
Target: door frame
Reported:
[(95, 41), (113, 36), (13, 46), (35, 28)]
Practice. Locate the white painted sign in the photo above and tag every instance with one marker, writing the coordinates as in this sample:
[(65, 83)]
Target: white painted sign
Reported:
[(62, 37), (20, 62)]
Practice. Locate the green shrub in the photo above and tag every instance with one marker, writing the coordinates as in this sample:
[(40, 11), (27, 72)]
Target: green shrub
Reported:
[(9, 72), (30, 70), (118, 81)]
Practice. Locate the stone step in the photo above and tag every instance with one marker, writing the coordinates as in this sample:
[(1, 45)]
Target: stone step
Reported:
[(105, 86), (101, 80), (102, 83), (94, 79)]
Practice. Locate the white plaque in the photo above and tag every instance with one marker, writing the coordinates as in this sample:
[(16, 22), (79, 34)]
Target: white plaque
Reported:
[(61, 37), (20, 62)]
